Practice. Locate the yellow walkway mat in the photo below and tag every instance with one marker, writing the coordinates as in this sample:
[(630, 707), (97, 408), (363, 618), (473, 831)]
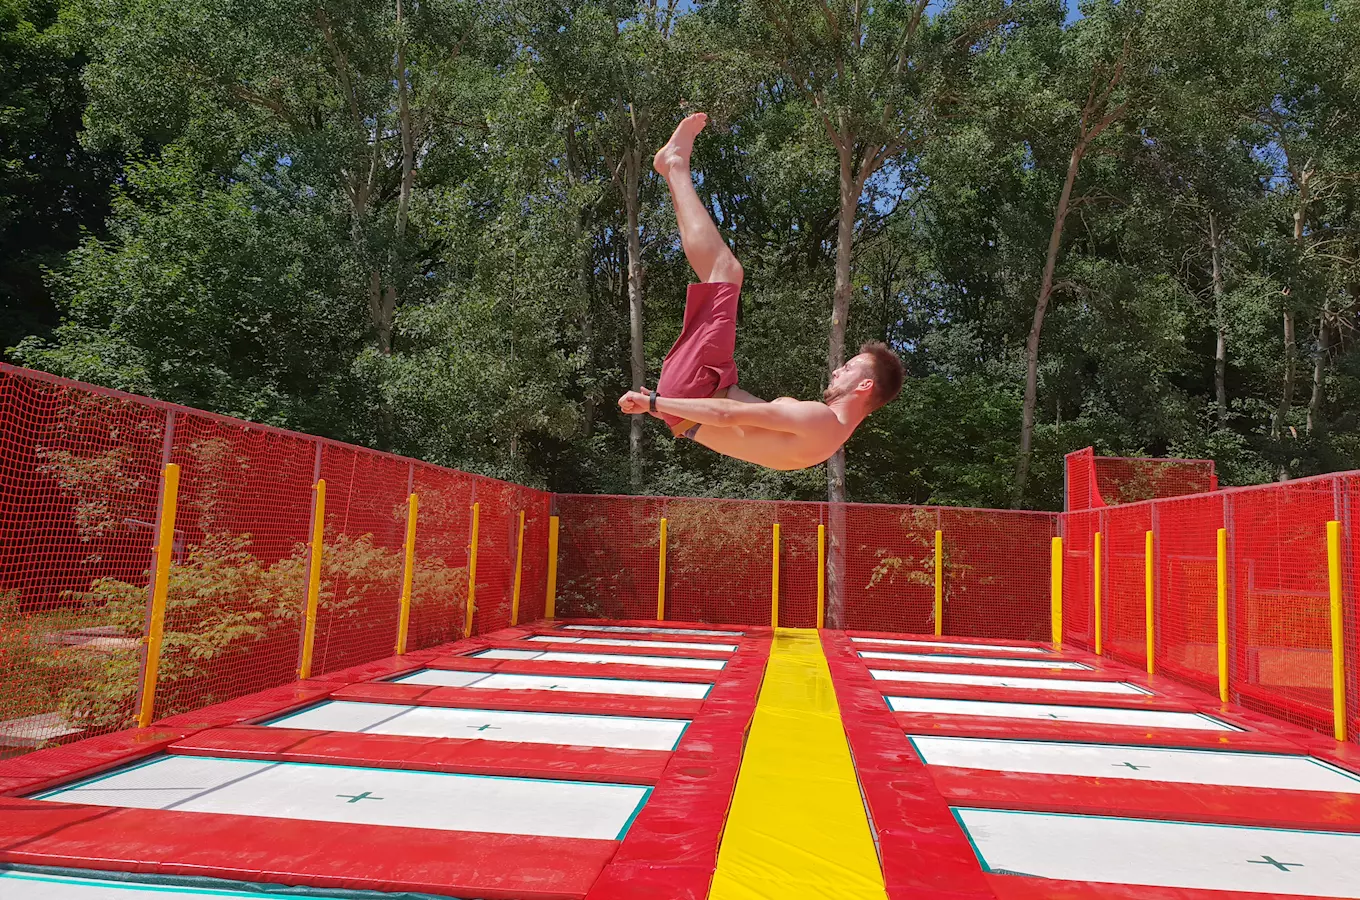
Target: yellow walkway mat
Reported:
[(797, 828)]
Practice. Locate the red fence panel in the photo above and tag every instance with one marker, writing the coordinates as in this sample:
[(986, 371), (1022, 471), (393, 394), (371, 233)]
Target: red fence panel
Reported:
[(443, 537), (1281, 621), (608, 556), (80, 474), (1123, 582), (1186, 603), (1079, 531)]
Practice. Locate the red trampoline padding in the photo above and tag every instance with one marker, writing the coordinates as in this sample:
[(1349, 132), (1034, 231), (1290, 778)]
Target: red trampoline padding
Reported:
[(381, 668), (468, 757), (597, 650), (262, 705), (581, 670), (296, 852), (986, 643), (41, 769), (924, 853), (748, 630), (1019, 887), (521, 701), (671, 850), (935, 724), (657, 637), (955, 668), (1028, 695), (1148, 799)]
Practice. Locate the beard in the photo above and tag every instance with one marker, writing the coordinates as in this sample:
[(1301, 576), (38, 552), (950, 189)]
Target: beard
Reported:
[(833, 393)]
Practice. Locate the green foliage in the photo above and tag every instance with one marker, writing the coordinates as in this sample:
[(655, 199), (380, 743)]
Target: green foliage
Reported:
[(432, 256)]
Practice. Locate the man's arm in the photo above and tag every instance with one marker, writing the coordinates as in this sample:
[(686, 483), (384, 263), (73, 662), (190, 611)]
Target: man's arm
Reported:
[(792, 418)]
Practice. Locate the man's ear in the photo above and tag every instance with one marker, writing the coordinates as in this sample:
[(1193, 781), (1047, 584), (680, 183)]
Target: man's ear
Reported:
[(865, 386)]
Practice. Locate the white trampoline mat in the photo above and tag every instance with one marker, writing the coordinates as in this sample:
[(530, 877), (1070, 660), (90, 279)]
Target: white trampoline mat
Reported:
[(899, 642), (639, 629), (1218, 767), (34, 886), (1093, 715), (1001, 681), (570, 809), (1165, 854), (629, 642), (575, 684), (625, 732), (621, 659), (950, 660)]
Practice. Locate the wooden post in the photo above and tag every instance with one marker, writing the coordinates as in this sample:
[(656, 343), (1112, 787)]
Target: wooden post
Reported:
[(939, 582), (1095, 571), (519, 567), (774, 581), (821, 576), (1149, 567), (661, 576), (1223, 615), (1055, 589), (472, 570), (1338, 632), (550, 601)]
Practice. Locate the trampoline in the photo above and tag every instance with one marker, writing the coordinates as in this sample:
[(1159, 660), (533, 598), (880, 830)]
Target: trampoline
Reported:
[(949, 659), (1163, 854), (948, 645), (41, 886), (1090, 715), (639, 629), (620, 659), (630, 642), (623, 732), (570, 683), (1035, 684), (1185, 766), (369, 796)]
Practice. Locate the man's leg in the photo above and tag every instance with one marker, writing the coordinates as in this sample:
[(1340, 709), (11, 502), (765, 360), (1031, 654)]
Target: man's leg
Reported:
[(707, 252)]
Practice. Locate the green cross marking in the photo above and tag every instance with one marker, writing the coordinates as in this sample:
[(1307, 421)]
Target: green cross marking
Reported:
[(355, 798), (485, 727), (1055, 716), (1131, 766), (1267, 861)]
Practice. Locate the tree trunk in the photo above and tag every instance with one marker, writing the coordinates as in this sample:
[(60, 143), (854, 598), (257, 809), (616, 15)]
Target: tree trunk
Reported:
[(1290, 349), (1040, 307), (1316, 425), (632, 189), (585, 275), (840, 302), (1221, 347)]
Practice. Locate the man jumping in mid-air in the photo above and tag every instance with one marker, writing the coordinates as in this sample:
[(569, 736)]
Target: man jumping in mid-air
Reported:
[(697, 394)]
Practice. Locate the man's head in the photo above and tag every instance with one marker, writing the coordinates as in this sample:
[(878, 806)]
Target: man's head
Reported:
[(873, 377)]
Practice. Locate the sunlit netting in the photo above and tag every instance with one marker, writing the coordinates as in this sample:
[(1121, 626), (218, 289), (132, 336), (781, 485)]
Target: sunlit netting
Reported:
[(80, 486), (81, 480), (1098, 481)]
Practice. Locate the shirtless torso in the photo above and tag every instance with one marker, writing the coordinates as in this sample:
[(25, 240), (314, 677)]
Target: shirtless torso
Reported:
[(783, 434)]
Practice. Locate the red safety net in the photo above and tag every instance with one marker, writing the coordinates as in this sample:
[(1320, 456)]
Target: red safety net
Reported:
[(1124, 582), (1098, 481), (1279, 599), (80, 481)]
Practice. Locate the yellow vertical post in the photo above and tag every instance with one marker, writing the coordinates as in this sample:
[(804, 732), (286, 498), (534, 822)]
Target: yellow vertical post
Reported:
[(472, 570), (519, 567), (1095, 574), (313, 577), (821, 576), (1148, 565), (774, 581), (939, 582), (408, 574), (1055, 587), (1223, 615), (165, 549), (550, 601), (1338, 638), (661, 576)]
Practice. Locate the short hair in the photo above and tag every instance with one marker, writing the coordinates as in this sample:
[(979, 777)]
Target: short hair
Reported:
[(888, 373)]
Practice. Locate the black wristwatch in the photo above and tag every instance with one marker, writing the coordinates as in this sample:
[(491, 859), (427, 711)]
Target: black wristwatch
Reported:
[(651, 406)]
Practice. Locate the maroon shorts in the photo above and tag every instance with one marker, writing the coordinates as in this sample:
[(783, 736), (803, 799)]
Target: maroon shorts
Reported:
[(700, 364)]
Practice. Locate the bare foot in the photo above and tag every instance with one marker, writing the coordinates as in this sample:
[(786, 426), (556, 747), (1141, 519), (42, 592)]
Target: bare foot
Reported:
[(681, 145)]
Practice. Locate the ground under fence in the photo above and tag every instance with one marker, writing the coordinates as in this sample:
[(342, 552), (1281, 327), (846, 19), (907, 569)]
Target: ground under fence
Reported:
[(281, 553)]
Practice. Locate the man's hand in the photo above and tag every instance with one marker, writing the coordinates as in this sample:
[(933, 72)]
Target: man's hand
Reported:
[(635, 402)]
